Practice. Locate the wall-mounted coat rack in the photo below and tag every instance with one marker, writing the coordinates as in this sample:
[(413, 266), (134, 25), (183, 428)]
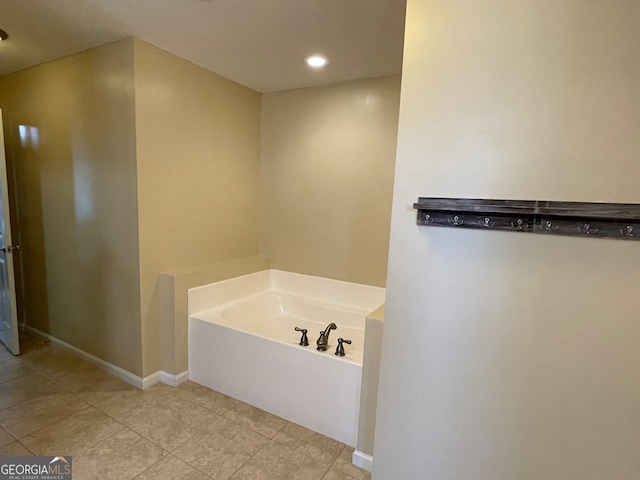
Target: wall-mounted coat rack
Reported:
[(580, 219)]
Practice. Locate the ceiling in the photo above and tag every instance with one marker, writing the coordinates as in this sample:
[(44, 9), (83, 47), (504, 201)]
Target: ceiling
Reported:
[(257, 43)]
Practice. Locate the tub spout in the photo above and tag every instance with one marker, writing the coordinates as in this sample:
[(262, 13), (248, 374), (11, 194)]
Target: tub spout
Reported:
[(323, 340)]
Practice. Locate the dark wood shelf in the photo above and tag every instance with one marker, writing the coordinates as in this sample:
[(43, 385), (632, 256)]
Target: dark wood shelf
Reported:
[(582, 219)]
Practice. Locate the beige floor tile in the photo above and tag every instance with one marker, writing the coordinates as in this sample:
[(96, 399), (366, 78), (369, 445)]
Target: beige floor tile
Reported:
[(26, 388), (222, 450), (60, 366), (121, 403), (171, 468), (207, 398), (163, 392), (25, 418), (334, 474), (277, 462), (256, 419), (29, 344), (127, 397), (74, 434), (14, 449), (168, 420), (343, 463), (48, 356), (11, 369), (120, 457), (5, 437), (126, 432), (320, 448), (78, 373), (5, 354), (99, 386)]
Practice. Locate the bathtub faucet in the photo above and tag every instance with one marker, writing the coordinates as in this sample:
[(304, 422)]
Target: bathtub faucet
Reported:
[(304, 340), (323, 340)]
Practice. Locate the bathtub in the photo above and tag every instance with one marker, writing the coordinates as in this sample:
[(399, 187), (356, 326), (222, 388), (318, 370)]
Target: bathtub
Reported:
[(242, 343)]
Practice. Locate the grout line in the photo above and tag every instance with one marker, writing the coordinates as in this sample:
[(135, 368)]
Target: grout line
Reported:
[(249, 459), (336, 459), (192, 466), (88, 405), (333, 465), (19, 376), (198, 404), (142, 435), (152, 465), (28, 449), (182, 396), (131, 430), (43, 394), (286, 423), (66, 418)]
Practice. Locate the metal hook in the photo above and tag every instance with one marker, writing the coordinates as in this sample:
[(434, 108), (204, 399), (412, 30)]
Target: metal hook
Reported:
[(427, 218), (628, 232), (488, 223), (586, 229), (456, 222), (549, 226), (520, 225)]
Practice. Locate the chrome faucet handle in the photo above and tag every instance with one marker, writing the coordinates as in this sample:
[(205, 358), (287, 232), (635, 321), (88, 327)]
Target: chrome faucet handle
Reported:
[(340, 348), (304, 340)]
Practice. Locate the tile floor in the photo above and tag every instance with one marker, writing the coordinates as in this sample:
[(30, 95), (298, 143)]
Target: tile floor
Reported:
[(53, 403)]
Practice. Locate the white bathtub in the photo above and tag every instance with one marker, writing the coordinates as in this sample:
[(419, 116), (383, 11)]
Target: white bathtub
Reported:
[(242, 343)]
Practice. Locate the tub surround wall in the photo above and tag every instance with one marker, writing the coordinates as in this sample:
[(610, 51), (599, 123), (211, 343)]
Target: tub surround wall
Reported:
[(511, 356), (363, 455), (173, 289), (327, 155)]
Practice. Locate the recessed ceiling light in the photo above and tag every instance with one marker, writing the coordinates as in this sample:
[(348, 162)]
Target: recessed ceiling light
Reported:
[(316, 61), (3, 35)]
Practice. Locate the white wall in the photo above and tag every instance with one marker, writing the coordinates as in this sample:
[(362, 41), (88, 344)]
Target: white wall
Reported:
[(513, 356)]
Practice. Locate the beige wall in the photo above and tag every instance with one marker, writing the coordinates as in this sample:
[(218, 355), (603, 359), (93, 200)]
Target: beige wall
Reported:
[(327, 159), (198, 151), (147, 163), (76, 198), (374, 326), (513, 356)]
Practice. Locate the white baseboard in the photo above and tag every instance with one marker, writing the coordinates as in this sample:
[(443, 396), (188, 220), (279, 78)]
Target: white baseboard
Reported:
[(362, 460), (163, 377), (121, 373), (174, 380)]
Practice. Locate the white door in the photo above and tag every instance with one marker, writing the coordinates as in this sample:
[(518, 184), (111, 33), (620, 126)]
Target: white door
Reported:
[(8, 311)]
